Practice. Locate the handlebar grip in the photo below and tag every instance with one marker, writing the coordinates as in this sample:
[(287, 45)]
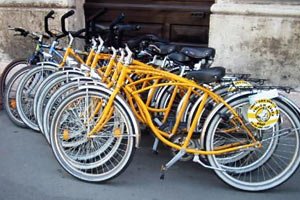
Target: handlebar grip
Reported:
[(68, 14), (127, 27), (63, 24), (95, 16), (49, 15), (22, 31), (19, 30), (117, 20)]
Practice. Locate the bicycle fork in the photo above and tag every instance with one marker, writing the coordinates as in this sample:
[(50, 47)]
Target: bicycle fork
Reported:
[(108, 109)]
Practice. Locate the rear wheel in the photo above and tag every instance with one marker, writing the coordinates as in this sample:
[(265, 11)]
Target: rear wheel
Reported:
[(10, 97), (10, 70), (256, 169)]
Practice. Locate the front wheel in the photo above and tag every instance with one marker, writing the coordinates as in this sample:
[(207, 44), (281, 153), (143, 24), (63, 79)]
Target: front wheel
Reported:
[(256, 169), (26, 92), (99, 158)]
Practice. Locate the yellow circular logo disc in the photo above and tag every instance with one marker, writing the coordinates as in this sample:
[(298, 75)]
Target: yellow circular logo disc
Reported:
[(263, 114)]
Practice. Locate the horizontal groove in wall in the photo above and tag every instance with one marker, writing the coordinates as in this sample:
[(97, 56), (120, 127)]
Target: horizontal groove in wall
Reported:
[(256, 10), (27, 6)]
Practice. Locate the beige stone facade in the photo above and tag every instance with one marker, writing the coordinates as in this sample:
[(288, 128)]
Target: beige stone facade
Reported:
[(29, 14), (258, 37)]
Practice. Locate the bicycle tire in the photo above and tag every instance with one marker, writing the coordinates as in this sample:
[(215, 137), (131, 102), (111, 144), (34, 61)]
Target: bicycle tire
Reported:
[(80, 169), (9, 105), (4, 78), (272, 172), (58, 97), (54, 81), (25, 96)]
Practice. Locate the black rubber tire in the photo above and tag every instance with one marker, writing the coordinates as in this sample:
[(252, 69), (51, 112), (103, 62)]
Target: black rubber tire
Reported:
[(15, 118), (5, 74)]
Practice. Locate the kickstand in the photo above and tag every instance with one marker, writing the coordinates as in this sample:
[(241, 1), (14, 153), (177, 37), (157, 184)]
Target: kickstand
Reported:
[(155, 145), (164, 168)]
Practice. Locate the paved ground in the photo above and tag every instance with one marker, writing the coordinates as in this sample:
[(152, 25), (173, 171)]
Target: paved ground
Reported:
[(28, 170)]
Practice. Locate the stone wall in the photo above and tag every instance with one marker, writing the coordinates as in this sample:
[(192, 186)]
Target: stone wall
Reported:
[(261, 37), (29, 14), (258, 37)]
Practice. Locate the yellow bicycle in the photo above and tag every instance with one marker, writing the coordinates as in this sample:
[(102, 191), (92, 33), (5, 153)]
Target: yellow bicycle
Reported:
[(251, 142)]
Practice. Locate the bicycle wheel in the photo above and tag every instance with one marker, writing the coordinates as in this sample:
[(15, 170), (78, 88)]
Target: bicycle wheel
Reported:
[(9, 70), (26, 92), (256, 169), (46, 90), (57, 98), (45, 83), (10, 97), (99, 158)]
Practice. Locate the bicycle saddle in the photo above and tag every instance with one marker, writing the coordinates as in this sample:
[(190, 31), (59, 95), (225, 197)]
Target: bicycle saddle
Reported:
[(179, 57), (135, 42), (162, 49), (207, 75), (198, 53)]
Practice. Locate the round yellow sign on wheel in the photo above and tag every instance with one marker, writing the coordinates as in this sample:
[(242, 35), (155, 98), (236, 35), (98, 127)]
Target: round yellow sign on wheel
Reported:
[(263, 114)]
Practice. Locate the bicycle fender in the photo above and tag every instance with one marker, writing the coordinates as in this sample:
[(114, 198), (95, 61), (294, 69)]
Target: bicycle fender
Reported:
[(47, 63), (215, 112)]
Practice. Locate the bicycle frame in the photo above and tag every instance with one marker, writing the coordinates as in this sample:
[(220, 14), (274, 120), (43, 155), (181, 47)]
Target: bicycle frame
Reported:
[(120, 82)]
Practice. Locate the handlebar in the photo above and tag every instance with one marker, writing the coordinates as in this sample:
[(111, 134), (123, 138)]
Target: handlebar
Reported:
[(95, 16), (49, 15), (24, 33), (63, 24), (126, 27), (46, 20), (119, 19), (78, 33), (92, 29), (20, 31)]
